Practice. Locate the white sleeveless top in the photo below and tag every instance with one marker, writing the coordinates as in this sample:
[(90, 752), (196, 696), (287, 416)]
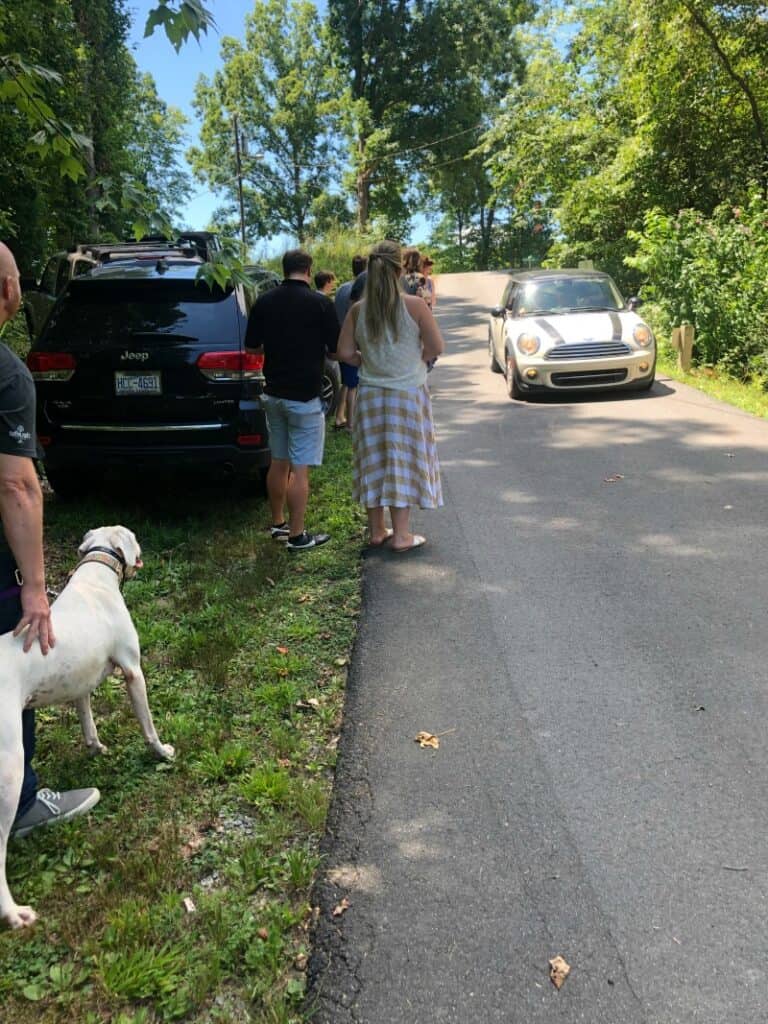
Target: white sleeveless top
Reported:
[(394, 361)]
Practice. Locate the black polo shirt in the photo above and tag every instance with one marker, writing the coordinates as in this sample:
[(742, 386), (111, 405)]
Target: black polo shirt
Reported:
[(295, 326), (17, 414)]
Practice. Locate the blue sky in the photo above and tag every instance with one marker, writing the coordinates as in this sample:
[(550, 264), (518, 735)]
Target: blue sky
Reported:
[(176, 74)]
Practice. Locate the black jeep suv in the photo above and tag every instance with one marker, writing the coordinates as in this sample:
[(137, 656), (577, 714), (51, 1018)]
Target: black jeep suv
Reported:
[(141, 367)]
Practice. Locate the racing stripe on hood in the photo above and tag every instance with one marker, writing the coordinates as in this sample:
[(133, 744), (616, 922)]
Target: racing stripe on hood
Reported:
[(616, 325), (551, 331)]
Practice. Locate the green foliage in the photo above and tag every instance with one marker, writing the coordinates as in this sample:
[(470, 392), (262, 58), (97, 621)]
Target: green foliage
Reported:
[(334, 249), (98, 110), (275, 90), (415, 81), (180, 19), (115, 937), (711, 272)]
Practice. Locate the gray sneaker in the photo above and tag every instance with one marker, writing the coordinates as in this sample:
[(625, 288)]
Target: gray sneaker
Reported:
[(50, 808)]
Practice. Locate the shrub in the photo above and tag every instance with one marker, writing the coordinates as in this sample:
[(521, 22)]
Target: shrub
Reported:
[(711, 272)]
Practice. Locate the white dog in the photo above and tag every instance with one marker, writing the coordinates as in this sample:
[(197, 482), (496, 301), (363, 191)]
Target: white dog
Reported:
[(94, 635)]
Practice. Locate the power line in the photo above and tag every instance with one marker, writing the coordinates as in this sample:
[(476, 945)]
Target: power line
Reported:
[(386, 156)]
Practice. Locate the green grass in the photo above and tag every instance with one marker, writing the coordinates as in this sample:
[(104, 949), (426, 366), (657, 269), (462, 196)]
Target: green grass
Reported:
[(751, 396), (244, 648)]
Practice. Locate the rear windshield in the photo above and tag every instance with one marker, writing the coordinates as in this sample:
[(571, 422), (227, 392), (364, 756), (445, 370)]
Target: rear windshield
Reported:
[(97, 314)]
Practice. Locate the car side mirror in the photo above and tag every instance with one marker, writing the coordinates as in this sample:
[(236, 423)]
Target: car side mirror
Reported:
[(498, 311), (634, 303)]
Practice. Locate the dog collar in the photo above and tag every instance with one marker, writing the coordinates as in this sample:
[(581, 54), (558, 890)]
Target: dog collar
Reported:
[(107, 557)]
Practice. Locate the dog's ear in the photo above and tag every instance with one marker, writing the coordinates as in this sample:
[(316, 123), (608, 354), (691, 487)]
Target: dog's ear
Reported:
[(124, 541), (86, 542)]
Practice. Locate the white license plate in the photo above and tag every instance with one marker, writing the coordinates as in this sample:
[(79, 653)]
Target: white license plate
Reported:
[(137, 384)]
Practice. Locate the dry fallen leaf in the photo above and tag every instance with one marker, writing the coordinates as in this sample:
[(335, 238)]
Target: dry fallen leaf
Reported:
[(282, 650), (189, 905), (613, 479), (559, 970), (339, 909), (300, 963), (426, 739), (270, 581), (263, 933), (304, 598), (340, 661)]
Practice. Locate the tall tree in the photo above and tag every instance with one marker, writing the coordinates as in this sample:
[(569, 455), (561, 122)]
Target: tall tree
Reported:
[(96, 90), (417, 71), (653, 103), (274, 90)]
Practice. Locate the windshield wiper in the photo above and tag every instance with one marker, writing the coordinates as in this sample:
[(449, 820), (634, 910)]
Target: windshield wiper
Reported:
[(593, 309)]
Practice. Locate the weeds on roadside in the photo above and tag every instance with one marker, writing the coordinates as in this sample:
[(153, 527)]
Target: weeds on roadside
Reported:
[(184, 894)]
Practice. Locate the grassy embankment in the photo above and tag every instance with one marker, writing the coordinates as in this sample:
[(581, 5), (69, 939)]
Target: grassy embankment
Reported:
[(750, 396), (245, 650)]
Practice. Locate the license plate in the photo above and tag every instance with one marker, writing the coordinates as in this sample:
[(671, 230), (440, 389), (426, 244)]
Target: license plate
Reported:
[(127, 383)]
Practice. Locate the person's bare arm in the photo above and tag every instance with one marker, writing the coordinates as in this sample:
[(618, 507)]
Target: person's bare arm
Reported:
[(432, 343), (346, 350), (21, 511)]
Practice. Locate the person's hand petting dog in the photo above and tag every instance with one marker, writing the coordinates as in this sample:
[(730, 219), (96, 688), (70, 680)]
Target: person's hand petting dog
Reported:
[(36, 618)]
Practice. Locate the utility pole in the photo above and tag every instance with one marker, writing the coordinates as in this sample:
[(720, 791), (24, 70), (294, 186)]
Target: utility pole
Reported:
[(239, 166)]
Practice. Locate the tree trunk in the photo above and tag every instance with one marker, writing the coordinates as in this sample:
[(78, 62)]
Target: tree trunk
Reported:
[(363, 188)]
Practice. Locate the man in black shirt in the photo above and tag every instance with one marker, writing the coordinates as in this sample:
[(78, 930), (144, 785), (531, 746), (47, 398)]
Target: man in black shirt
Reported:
[(295, 327), (23, 599)]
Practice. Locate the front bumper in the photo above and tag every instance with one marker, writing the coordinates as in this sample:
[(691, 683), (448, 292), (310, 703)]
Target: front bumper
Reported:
[(537, 373)]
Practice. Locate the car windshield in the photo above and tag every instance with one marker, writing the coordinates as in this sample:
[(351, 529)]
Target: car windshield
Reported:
[(568, 295)]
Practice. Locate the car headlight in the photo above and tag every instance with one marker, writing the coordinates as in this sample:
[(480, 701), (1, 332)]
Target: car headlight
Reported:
[(642, 335), (528, 344)]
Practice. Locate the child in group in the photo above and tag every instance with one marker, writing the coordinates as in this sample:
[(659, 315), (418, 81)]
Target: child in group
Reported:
[(430, 290)]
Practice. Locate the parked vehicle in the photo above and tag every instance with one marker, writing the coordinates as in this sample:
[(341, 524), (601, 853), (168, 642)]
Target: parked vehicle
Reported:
[(62, 267), (264, 279), (141, 367), (568, 330)]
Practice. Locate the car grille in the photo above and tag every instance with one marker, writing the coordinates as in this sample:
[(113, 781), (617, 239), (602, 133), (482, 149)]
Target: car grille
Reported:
[(588, 378), (589, 350)]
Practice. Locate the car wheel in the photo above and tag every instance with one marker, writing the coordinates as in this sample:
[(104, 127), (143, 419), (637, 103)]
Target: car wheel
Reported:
[(493, 362), (68, 483), (513, 385), (331, 387)]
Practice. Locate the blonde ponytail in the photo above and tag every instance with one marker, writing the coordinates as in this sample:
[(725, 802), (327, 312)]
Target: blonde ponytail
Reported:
[(382, 290)]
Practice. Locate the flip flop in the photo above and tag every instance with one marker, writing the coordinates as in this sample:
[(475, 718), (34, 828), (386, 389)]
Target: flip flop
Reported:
[(417, 541), (384, 540)]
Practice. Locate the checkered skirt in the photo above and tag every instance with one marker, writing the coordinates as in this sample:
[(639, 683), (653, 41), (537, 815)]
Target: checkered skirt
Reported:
[(395, 449)]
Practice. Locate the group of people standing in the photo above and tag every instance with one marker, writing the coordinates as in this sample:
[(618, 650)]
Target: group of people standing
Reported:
[(385, 337)]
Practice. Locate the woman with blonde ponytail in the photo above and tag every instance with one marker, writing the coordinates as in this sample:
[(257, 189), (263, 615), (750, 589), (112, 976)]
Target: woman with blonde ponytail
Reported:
[(392, 337)]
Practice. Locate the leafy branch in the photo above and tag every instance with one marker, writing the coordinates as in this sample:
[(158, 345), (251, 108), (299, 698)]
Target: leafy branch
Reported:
[(180, 20)]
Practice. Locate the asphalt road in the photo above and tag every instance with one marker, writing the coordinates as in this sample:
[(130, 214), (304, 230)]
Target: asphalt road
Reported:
[(595, 654)]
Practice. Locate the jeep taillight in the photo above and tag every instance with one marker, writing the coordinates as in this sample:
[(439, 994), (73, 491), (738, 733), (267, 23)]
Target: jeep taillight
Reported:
[(51, 365), (230, 366)]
